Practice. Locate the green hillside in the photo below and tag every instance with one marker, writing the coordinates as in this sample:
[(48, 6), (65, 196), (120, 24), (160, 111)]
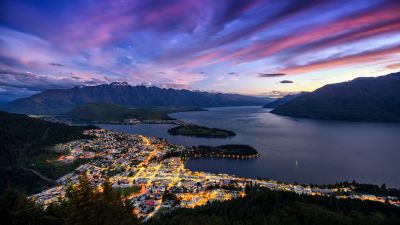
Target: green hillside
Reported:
[(106, 112)]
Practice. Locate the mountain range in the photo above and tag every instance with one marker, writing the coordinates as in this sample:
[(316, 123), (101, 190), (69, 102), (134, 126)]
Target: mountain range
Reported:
[(282, 100), (60, 101), (375, 99)]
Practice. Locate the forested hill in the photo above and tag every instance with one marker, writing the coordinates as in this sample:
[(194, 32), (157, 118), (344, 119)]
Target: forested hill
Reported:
[(23, 146), (86, 205), (105, 112), (375, 99), (60, 101)]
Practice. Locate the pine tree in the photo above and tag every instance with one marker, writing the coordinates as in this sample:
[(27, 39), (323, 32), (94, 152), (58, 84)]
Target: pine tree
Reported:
[(88, 206), (16, 209), (80, 203)]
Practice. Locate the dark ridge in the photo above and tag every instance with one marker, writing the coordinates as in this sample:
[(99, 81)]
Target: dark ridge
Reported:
[(370, 99), (282, 100), (24, 143)]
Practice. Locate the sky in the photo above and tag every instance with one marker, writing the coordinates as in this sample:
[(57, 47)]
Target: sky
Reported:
[(253, 47)]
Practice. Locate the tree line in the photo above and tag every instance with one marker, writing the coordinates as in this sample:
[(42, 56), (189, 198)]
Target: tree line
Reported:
[(281, 207), (83, 205)]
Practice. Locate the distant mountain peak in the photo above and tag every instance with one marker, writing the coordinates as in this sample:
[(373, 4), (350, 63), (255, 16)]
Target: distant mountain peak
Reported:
[(283, 100), (124, 83), (60, 101)]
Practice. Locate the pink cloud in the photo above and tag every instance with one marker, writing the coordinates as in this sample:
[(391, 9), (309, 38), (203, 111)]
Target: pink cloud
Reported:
[(267, 48), (363, 57)]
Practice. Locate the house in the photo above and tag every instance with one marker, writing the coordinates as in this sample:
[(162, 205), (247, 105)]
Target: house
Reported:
[(149, 202)]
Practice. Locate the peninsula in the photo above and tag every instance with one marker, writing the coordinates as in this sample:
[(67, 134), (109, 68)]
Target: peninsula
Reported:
[(200, 131), (226, 151)]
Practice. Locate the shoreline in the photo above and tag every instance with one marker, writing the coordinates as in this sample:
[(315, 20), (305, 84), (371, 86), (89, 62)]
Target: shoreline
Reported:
[(155, 168)]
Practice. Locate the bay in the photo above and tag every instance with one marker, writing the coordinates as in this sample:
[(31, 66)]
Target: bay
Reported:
[(292, 149)]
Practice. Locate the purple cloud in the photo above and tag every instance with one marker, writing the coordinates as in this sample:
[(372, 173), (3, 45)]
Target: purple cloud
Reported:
[(36, 82), (267, 75), (191, 42), (233, 74), (57, 64)]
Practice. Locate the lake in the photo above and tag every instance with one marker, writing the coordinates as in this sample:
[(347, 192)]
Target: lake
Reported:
[(302, 150)]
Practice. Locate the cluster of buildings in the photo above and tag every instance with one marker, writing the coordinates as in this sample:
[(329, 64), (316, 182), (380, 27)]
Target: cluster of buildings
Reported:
[(130, 121), (153, 176)]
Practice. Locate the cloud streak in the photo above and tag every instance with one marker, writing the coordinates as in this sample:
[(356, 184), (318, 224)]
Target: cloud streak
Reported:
[(268, 75), (36, 82), (286, 82)]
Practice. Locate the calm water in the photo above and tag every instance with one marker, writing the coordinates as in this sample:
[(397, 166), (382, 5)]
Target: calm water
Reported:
[(326, 152)]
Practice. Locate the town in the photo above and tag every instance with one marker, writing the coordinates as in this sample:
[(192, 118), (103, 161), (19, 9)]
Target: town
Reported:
[(151, 173)]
